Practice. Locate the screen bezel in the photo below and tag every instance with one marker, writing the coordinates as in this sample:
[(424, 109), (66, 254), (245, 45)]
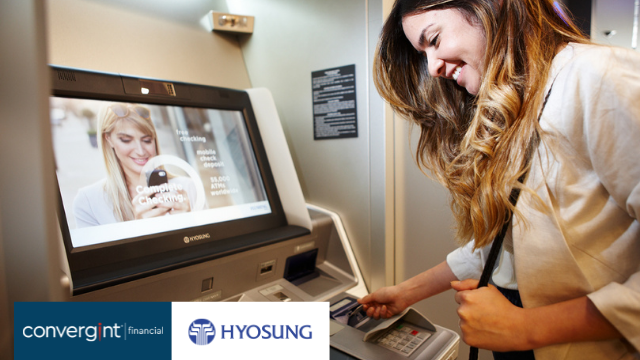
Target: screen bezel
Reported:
[(97, 266)]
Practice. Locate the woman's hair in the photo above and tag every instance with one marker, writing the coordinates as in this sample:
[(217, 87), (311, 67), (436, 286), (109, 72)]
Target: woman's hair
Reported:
[(476, 146), (116, 186)]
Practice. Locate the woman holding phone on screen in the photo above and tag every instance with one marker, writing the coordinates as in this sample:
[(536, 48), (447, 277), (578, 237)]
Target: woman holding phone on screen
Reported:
[(128, 140), (509, 94)]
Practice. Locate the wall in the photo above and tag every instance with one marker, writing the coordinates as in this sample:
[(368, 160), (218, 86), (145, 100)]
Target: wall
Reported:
[(28, 252), (292, 39), (144, 38), (617, 15)]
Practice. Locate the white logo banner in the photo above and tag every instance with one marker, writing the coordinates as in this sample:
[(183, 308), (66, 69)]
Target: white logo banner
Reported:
[(250, 330)]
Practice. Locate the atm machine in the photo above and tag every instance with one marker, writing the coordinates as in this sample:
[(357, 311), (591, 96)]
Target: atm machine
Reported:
[(217, 212)]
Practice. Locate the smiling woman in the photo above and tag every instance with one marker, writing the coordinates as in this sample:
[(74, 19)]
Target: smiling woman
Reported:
[(511, 98), (454, 46), (131, 146), (128, 140)]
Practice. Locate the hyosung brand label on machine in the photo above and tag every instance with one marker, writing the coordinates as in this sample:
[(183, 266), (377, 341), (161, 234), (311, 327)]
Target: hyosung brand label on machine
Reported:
[(334, 103), (222, 330)]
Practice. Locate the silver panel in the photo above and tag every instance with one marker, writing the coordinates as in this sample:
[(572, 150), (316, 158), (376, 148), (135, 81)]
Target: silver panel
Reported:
[(291, 39)]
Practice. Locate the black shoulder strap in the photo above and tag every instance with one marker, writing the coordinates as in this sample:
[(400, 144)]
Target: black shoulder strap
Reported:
[(497, 242), (493, 255)]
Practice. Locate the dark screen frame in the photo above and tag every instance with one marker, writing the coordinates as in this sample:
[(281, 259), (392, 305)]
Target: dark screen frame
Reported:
[(98, 266)]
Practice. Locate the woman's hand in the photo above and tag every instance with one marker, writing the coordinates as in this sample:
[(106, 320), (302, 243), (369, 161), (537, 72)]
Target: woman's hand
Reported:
[(488, 320), (177, 206), (143, 208), (393, 300), (385, 302)]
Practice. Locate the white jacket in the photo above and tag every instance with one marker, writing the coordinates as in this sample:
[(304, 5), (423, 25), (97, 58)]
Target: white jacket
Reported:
[(587, 172)]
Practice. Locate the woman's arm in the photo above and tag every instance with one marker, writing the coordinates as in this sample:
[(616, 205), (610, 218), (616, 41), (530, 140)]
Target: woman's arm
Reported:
[(392, 300), (569, 321), (429, 283)]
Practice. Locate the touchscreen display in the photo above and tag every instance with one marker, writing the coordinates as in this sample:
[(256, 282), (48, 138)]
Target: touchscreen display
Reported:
[(127, 170)]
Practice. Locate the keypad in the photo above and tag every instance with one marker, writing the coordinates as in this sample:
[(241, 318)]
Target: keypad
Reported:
[(403, 338)]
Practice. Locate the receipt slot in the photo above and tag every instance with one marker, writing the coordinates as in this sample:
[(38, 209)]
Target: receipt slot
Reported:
[(407, 336)]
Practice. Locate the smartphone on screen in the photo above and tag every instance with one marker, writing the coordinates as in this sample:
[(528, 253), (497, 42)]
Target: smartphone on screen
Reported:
[(157, 177)]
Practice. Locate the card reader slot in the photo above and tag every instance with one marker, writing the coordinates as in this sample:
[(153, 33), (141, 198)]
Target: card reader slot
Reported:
[(349, 312)]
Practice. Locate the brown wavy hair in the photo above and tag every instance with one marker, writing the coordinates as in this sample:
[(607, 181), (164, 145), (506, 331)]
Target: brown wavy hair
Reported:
[(477, 146)]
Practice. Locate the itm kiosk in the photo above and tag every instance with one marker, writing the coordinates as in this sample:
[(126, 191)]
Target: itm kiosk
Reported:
[(293, 251)]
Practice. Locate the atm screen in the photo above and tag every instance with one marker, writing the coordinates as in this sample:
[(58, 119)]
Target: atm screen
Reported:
[(156, 175), (127, 170)]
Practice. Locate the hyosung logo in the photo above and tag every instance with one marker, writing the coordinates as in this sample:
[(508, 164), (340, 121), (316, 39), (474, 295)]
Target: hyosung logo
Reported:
[(188, 239), (202, 332)]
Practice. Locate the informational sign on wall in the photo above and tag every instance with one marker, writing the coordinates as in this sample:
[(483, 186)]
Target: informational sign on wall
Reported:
[(334, 103)]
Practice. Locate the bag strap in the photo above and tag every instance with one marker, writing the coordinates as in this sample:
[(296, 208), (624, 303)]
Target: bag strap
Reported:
[(493, 255), (497, 242)]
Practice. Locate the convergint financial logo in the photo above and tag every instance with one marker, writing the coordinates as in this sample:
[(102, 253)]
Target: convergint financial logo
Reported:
[(203, 331), (90, 333)]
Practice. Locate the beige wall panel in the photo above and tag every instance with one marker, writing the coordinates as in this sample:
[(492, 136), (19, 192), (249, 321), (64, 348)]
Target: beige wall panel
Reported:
[(113, 38)]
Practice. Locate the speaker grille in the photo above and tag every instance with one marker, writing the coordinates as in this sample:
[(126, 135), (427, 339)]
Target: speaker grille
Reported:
[(66, 75)]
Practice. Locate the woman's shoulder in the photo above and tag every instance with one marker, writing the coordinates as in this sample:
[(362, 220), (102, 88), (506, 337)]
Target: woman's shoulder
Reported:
[(598, 59), (589, 70), (97, 187), (91, 196), (91, 205)]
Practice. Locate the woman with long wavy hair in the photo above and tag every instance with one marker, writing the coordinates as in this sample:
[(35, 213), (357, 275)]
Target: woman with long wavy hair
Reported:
[(509, 94), (128, 140)]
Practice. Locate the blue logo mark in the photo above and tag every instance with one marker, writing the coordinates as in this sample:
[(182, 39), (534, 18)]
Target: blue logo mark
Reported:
[(202, 332)]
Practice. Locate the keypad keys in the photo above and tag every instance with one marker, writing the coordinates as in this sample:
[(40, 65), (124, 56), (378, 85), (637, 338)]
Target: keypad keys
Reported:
[(403, 339)]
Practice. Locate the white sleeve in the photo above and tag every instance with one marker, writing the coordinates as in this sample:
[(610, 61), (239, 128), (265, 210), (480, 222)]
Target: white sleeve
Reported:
[(466, 263), (82, 211)]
